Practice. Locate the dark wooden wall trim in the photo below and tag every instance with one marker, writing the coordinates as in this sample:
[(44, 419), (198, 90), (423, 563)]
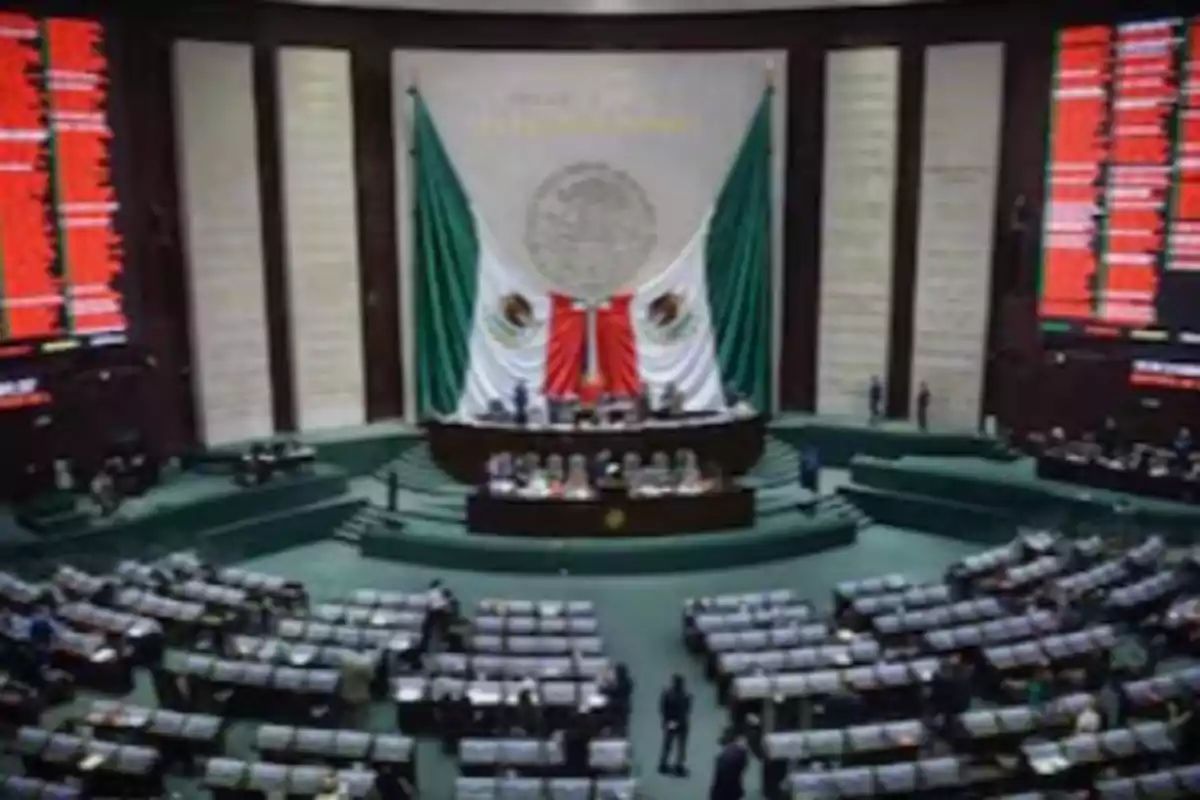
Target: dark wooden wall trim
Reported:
[(1013, 345), (273, 208), (933, 22), (803, 177), (379, 268), (145, 162), (905, 227)]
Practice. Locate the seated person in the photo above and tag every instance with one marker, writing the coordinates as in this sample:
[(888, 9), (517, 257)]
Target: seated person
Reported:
[(104, 492), (500, 471), (496, 412), (555, 469), (736, 402), (537, 485), (671, 402), (333, 789), (635, 475), (256, 465), (643, 481), (643, 409), (577, 486), (526, 716), (631, 464), (589, 401), (530, 463), (1181, 449), (566, 410), (1109, 439), (599, 466), (659, 472), (687, 471)]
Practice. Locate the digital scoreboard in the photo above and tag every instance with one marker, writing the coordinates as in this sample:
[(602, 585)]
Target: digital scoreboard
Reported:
[(61, 255), (1121, 223)]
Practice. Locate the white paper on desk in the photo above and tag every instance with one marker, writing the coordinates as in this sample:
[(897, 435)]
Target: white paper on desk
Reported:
[(1050, 765), (138, 717), (91, 761)]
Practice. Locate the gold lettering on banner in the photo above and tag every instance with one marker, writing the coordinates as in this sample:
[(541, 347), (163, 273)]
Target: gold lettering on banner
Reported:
[(583, 125)]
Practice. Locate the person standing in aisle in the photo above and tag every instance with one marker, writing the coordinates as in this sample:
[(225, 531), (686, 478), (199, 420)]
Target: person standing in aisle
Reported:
[(675, 713), (729, 768)]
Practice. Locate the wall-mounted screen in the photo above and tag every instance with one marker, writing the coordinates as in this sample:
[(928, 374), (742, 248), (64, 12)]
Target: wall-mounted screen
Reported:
[(1150, 374), (61, 256), (1121, 225)]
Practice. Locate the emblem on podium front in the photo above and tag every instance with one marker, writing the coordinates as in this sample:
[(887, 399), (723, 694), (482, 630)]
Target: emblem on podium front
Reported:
[(614, 520)]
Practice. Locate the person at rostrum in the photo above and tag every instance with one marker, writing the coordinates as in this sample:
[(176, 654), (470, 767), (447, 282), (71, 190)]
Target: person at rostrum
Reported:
[(675, 712)]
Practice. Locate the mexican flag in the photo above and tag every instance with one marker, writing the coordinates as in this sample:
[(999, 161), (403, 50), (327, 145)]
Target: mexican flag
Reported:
[(484, 325)]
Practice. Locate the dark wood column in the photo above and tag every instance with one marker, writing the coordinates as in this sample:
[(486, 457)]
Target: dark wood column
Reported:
[(803, 176), (271, 203), (379, 279), (907, 222)]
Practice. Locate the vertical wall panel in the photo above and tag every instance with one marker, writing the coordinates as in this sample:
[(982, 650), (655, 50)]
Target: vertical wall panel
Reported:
[(859, 190), (316, 134), (221, 216), (959, 167)]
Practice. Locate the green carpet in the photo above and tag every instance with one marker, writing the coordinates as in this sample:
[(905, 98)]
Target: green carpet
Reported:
[(640, 622)]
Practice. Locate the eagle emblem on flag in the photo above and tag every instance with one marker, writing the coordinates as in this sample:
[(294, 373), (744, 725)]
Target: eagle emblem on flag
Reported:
[(513, 320), (668, 318)]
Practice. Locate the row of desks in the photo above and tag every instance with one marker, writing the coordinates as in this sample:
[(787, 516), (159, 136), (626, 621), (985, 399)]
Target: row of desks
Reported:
[(1103, 475), (616, 514)]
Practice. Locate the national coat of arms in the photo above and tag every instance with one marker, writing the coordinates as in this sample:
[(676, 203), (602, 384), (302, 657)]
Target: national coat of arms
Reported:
[(513, 320), (668, 318), (590, 229)]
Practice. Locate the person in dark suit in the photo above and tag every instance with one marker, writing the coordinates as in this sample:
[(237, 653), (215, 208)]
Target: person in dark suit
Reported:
[(729, 768), (672, 401), (644, 408), (526, 718), (1109, 438), (617, 688), (810, 469), (577, 738), (1182, 450), (598, 468), (944, 691), (393, 490), (675, 714), (924, 396), (875, 399), (521, 404)]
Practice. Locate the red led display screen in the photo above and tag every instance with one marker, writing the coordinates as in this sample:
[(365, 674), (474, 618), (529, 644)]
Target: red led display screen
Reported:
[(1121, 224), (60, 249)]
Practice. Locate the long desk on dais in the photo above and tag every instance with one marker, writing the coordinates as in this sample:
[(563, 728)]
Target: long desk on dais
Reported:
[(732, 441), (610, 514)]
